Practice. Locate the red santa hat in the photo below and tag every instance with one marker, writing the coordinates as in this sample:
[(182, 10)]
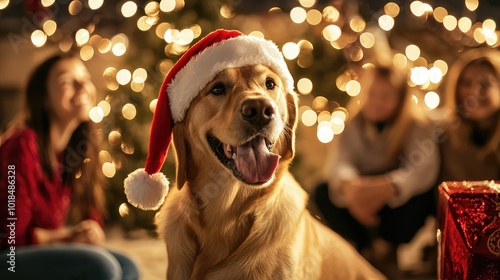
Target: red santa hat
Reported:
[(146, 188)]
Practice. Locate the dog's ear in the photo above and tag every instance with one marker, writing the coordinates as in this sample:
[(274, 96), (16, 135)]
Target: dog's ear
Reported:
[(290, 125), (181, 153)]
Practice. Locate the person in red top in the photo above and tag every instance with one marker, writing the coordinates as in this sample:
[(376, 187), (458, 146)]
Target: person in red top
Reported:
[(50, 178)]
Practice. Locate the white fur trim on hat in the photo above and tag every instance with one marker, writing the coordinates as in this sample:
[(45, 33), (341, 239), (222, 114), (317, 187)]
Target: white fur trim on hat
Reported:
[(146, 191), (231, 53)]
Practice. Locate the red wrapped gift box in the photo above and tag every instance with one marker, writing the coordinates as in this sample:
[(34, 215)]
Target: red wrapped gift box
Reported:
[(468, 231)]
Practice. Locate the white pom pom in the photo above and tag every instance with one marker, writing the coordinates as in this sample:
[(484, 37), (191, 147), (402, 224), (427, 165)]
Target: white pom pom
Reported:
[(146, 191)]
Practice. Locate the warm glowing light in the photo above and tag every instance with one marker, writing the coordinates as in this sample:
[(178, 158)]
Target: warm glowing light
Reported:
[(49, 27), (185, 37), (45, 3), (95, 4), (104, 45), (331, 32), (419, 75), (123, 77), (258, 34), (464, 24), (96, 114), (414, 99), (143, 24), (353, 88), (479, 35), (357, 24), (304, 86), (226, 11), (290, 50), (171, 35), (105, 107), (298, 15), (129, 9), (416, 7), (431, 100), (392, 9), (314, 17), (325, 133), (38, 38), (330, 14), (307, 3), (472, 5), (323, 117), (75, 7), (65, 44), (114, 138), (442, 65), (450, 22), (309, 117), (86, 53), (337, 124), (129, 111), (123, 210), (119, 49), (386, 22), (412, 52), (140, 75), (82, 36), (340, 113), (440, 13), (167, 6), (435, 75), (489, 24), (400, 61), (137, 87), (367, 40), (152, 105), (108, 169), (419, 9), (5, 3), (319, 103), (152, 9)]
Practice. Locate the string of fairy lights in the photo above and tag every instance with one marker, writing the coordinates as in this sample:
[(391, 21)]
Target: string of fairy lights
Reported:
[(352, 34)]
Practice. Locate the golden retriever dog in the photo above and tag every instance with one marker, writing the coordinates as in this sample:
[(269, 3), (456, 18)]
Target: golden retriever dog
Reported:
[(238, 213)]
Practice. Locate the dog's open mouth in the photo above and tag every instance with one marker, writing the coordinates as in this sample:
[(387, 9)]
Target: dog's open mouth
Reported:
[(251, 162)]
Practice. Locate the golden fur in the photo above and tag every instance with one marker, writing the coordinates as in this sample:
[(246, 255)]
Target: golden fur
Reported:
[(217, 227)]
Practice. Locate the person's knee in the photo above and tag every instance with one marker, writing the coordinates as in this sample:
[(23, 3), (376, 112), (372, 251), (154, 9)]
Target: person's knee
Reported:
[(98, 263)]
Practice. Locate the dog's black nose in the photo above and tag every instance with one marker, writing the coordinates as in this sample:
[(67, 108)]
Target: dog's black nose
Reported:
[(258, 112)]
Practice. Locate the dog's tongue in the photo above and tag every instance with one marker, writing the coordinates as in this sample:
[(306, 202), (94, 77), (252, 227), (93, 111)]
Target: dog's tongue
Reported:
[(254, 161)]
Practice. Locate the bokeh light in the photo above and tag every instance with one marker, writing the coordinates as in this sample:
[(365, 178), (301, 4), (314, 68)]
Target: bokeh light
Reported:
[(353, 88), (129, 9), (391, 9), (38, 38), (431, 100), (123, 77), (298, 15), (108, 169), (309, 118), (290, 50), (4, 4), (304, 86), (95, 4), (96, 114), (129, 111), (386, 22)]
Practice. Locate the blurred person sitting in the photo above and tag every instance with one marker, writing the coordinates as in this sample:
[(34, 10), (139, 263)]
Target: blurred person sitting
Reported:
[(470, 142), (381, 170), (52, 151)]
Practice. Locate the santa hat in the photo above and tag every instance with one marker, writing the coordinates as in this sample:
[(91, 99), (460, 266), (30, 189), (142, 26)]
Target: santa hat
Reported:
[(146, 188)]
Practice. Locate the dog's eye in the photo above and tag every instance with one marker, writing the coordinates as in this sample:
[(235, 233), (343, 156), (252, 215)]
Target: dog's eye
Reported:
[(270, 84), (218, 89)]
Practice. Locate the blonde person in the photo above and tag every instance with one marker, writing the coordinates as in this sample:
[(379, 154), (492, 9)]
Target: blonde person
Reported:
[(50, 156), (470, 143), (381, 170)]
